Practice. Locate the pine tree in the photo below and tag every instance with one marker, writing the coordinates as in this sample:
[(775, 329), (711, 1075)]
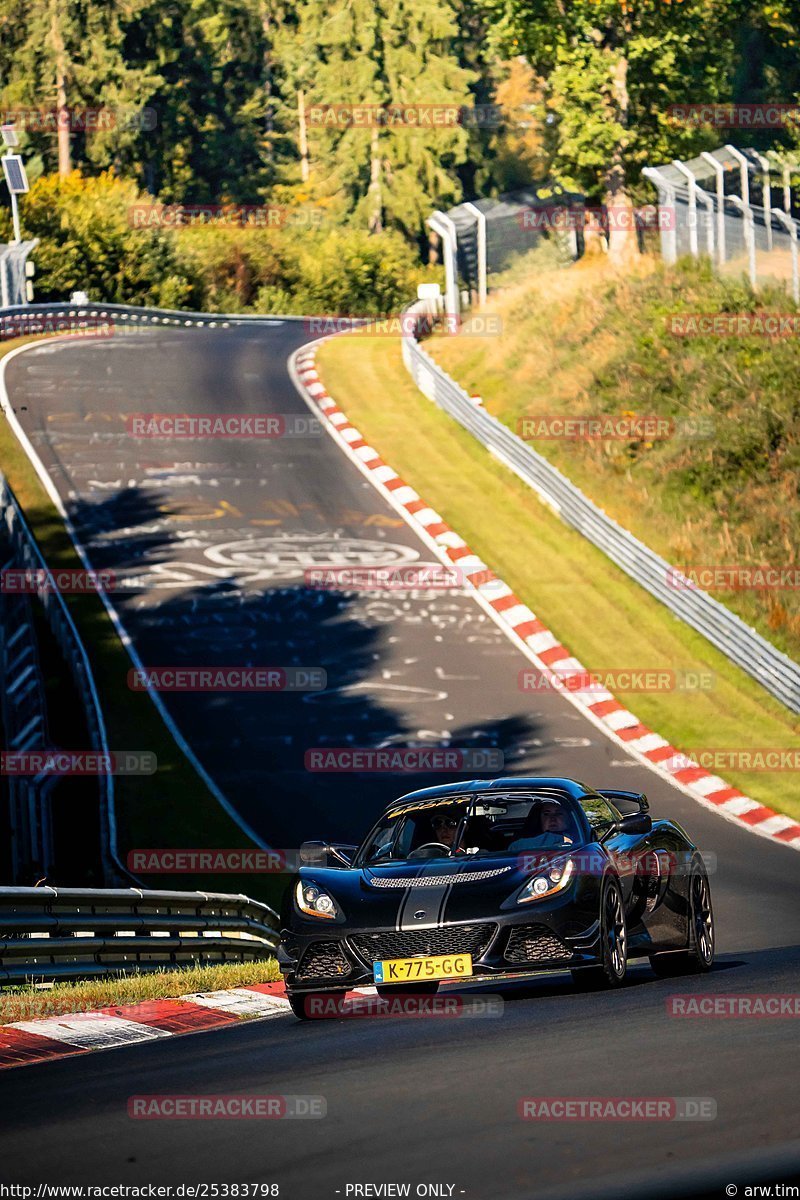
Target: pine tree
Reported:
[(376, 55), (69, 58)]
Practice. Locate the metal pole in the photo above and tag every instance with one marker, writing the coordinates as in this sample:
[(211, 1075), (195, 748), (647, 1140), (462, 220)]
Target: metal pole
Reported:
[(749, 234), (791, 227), (450, 226), (764, 164), (708, 203), (451, 283), (15, 219), (687, 174), (719, 171), (5, 297), (669, 236), (482, 263), (744, 175)]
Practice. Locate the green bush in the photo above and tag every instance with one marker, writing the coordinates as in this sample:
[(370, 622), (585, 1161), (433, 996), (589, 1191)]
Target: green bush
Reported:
[(90, 240), (87, 242)]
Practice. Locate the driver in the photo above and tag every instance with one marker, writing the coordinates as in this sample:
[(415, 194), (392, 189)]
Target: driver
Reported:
[(445, 827)]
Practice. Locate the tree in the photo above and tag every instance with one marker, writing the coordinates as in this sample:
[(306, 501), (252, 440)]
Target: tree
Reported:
[(612, 70), (65, 59), (377, 55)]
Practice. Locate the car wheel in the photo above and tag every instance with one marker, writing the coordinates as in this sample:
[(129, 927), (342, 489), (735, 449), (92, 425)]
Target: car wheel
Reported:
[(700, 955), (613, 945), (428, 988), (299, 1002)]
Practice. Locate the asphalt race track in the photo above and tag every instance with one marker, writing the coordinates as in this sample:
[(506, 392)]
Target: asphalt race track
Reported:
[(213, 538)]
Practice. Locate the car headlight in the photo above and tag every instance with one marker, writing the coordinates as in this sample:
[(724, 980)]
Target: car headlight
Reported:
[(550, 880), (314, 901)]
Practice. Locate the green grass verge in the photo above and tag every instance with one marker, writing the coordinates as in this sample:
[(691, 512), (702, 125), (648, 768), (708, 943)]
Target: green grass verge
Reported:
[(605, 619), (172, 808), (722, 489), (28, 1002)]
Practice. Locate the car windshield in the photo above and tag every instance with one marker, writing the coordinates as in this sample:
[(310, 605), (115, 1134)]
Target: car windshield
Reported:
[(475, 825)]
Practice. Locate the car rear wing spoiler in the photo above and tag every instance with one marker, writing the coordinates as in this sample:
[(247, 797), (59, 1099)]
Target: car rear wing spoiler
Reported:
[(626, 802)]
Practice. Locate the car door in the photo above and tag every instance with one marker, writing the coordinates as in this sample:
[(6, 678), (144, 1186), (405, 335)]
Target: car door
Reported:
[(657, 862)]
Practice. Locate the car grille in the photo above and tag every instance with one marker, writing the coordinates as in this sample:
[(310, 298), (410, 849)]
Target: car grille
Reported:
[(323, 960), (534, 943), (452, 939), (404, 881)]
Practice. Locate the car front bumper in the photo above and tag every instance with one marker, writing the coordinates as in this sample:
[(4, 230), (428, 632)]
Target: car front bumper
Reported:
[(341, 958)]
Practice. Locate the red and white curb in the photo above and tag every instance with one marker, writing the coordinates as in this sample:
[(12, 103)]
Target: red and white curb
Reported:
[(46, 1038), (539, 644)]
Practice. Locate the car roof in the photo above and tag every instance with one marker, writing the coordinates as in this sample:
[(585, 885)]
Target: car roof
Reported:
[(511, 783)]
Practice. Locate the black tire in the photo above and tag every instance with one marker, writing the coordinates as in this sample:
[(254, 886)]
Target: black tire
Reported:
[(428, 987), (298, 1002), (614, 945), (699, 957)]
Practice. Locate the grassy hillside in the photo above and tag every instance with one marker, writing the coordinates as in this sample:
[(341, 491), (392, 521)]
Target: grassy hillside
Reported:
[(723, 489), (602, 616)]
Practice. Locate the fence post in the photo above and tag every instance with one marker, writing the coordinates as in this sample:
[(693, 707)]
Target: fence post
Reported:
[(482, 264), (744, 175), (719, 172), (688, 175), (669, 236), (791, 227), (707, 201), (446, 230), (767, 197), (749, 234)]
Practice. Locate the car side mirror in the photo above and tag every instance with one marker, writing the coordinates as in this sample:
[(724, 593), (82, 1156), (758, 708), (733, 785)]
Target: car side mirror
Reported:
[(635, 823), (314, 854), (325, 854)]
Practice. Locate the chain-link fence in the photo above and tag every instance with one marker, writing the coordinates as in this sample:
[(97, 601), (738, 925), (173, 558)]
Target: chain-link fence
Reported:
[(489, 236), (737, 207)]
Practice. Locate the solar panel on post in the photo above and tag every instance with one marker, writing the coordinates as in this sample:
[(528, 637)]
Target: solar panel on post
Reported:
[(15, 175)]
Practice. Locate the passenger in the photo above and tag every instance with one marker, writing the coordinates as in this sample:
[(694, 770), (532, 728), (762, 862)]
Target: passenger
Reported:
[(555, 825)]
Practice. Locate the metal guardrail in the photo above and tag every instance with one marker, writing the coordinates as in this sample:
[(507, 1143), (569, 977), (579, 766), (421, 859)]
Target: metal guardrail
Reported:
[(130, 314), (741, 644), (71, 933), (29, 556)]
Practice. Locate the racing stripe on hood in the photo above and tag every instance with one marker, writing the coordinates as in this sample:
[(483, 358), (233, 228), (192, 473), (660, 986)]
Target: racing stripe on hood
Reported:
[(430, 899)]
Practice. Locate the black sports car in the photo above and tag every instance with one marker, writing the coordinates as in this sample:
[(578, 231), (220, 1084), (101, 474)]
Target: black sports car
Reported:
[(497, 878)]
